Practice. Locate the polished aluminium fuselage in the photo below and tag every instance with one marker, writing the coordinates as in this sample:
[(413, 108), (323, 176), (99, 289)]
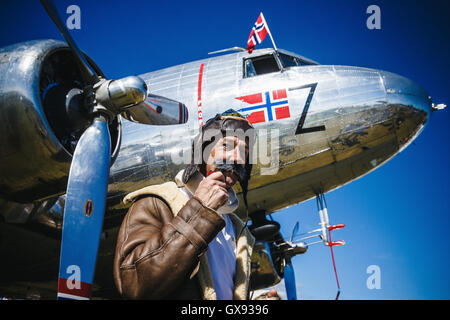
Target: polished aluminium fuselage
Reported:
[(369, 117)]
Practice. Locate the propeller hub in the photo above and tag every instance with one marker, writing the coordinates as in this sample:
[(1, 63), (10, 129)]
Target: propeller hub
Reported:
[(118, 95)]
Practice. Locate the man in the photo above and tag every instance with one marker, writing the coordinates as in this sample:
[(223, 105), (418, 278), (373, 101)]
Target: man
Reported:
[(182, 240)]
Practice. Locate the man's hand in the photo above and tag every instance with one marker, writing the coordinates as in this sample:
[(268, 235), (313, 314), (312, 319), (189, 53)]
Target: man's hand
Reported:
[(212, 191)]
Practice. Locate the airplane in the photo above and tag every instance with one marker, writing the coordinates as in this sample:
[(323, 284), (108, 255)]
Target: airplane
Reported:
[(326, 126)]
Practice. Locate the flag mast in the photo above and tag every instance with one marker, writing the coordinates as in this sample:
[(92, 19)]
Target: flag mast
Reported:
[(268, 31)]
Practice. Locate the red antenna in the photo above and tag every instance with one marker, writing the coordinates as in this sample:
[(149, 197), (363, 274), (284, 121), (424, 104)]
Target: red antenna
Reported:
[(322, 234), (325, 225), (332, 244)]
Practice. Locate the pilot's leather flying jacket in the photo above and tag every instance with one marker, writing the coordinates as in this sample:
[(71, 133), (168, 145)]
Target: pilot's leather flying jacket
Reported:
[(160, 251)]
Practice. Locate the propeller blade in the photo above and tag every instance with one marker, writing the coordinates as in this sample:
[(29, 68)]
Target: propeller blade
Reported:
[(49, 6), (294, 231), (289, 280), (84, 211)]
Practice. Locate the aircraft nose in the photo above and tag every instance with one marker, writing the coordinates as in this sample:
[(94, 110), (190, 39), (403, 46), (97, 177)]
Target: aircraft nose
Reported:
[(404, 91), (411, 104)]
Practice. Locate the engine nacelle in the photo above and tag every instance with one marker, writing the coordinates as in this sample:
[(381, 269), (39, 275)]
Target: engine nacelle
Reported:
[(37, 139)]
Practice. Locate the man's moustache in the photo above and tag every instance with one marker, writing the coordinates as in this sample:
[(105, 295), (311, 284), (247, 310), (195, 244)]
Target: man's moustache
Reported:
[(235, 168)]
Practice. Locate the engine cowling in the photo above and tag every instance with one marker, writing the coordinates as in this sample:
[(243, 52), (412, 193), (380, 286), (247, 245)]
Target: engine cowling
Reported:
[(37, 138)]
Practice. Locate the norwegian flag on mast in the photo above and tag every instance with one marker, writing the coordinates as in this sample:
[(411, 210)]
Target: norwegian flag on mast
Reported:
[(258, 33)]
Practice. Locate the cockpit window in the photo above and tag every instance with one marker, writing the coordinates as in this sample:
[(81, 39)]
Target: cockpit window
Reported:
[(260, 65), (288, 61), (302, 62), (249, 69)]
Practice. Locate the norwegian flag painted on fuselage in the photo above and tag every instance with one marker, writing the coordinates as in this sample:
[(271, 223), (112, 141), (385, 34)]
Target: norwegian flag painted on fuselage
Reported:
[(258, 33), (266, 106)]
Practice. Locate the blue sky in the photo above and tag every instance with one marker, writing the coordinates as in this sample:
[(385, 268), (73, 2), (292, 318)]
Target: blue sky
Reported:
[(397, 217)]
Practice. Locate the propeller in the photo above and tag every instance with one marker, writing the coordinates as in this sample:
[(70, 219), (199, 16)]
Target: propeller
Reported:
[(83, 213), (294, 231), (89, 73), (289, 279), (92, 107), (289, 274)]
